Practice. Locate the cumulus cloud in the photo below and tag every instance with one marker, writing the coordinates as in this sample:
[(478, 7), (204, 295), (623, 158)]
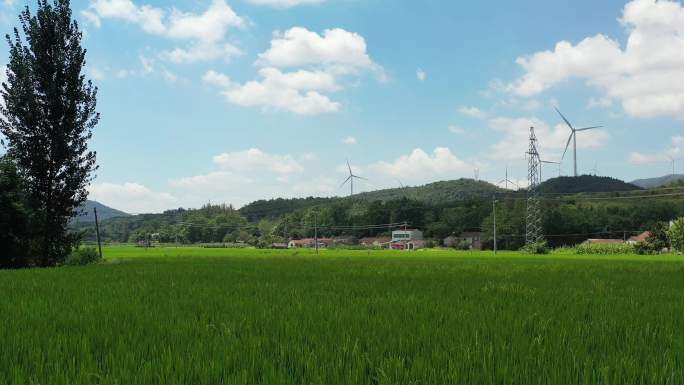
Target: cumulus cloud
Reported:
[(456, 130), (132, 197), (298, 92), (206, 32), (337, 48), (322, 59), (472, 112), (257, 160), (646, 75), (285, 3), (552, 140), (674, 151), (349, 140), (420, 74), (420, 166)]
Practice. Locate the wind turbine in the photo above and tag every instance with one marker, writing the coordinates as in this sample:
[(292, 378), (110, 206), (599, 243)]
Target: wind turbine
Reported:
[(350, 179), (573, 138), (551, 162), (506, 180)]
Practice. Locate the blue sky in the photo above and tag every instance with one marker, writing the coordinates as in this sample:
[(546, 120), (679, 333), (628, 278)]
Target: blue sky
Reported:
[(237, 100)]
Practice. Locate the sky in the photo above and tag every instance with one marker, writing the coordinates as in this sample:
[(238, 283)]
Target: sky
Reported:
[(230, 101)]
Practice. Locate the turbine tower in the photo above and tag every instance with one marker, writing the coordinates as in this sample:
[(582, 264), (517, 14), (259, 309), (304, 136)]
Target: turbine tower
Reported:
[(350, 179), (533, 228), (573, 138), (507, 181)]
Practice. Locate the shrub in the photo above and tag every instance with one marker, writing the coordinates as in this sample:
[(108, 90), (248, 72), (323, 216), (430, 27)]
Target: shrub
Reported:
[(536, 248), (676, 234), (604, 249), (462, 245), (83, 256)]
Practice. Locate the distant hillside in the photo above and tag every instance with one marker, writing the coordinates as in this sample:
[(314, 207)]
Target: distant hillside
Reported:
[(103, 212), (274, 208), (658, 182), (585, 183), (437, 193)]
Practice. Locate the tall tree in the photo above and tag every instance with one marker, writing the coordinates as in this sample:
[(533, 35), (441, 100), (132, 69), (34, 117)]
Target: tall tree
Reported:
[(14, 217), (48, 117)]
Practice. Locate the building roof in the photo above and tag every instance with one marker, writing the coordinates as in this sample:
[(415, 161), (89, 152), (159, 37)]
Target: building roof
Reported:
[(605, 241), (641, 237)]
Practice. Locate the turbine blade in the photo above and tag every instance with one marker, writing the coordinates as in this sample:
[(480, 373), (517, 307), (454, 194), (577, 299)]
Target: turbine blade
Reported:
[(345, 181), (349, 167), (566, 120), (567, 145), (359, 177), (588, 128)]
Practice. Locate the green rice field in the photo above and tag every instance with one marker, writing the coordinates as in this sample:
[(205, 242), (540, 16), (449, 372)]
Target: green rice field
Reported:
[(231, 316)]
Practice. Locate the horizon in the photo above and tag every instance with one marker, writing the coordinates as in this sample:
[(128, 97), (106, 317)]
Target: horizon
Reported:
[(241, 100)]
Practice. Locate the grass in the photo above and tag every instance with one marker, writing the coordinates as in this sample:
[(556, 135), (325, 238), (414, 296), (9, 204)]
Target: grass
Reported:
[(208, 316)]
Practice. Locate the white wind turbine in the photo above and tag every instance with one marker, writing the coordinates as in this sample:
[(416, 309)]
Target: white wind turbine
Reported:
[(351, 178), (573, 138)]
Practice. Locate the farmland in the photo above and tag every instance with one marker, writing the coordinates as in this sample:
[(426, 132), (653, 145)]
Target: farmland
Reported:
[(207, 316)]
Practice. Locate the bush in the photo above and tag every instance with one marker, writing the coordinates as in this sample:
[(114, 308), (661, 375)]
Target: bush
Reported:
[(536, 248), (462, 245), (83, 256), (676, 235), (604, 249)]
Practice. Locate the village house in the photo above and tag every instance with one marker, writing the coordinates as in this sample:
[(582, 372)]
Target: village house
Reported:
[(639, 238), (473, 238), (375, 241), (603, 242), (309, 242), (410, 239)]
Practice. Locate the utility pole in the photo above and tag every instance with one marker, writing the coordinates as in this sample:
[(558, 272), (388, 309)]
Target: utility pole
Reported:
[(494, 213), (316, 230), (97, 230)]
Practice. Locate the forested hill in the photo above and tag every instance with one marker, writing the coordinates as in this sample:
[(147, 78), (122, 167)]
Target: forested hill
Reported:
[(584, 184), (103, 212), (660, 181), (438, 193)]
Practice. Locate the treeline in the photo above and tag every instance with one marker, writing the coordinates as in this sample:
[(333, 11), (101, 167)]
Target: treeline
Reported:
[(567, 220)]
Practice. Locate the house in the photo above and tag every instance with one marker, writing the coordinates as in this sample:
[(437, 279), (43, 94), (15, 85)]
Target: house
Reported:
[(345, 241), (603, 242), (309, 242), (639, 238), (473, 238), (407, 240), (375, 241), (406, 235)]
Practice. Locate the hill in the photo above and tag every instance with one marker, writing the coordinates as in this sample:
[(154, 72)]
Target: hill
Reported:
[(103, 212), (438, 193), (658, 182), (584, 184)]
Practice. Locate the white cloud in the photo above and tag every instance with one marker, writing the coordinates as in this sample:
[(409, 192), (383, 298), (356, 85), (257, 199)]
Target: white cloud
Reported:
[(338, 49), (600, 102), (206, 32), (257, 160), (132, 197), (647, 75), (349, 140), (674, 151), (551, 140), (420, 74), (297, 92), (472, 112), (422, 166), (285, 3), (456, 130)]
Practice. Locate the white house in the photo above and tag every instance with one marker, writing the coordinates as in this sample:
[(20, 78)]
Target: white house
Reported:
[(407, 235)]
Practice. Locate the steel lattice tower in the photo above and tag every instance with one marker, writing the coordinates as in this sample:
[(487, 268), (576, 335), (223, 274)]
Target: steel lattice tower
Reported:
[(533, 232)]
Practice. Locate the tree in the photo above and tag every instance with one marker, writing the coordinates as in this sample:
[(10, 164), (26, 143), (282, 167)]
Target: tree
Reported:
[(48, 117), (14, 217), (676, 234)]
